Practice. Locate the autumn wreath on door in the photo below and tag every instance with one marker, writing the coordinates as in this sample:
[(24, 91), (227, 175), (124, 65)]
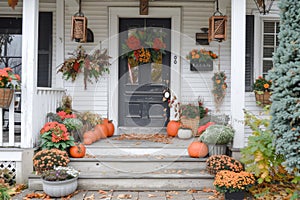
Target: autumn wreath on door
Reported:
[(142, 47)]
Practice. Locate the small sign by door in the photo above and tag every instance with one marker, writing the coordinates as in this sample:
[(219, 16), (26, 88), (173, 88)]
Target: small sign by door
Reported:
[(207, 65)]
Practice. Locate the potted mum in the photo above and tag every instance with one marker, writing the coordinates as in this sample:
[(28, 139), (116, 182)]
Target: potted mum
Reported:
[(233, 184), (60, 181), (8, 83), (217, 163), (217, 137), (262, 90), (46, 159), (56, 135)]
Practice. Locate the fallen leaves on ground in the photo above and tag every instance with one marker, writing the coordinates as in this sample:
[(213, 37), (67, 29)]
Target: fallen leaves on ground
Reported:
[(91, 197), (124, 196), (36, 195), (191, 191), (102, 192), (157, 137), (151, 195)]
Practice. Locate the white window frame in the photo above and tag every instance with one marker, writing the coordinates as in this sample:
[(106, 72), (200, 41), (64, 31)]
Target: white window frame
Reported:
[(258, 39)]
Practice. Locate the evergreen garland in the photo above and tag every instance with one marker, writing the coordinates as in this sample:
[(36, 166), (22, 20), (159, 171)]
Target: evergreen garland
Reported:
[(285, 109)]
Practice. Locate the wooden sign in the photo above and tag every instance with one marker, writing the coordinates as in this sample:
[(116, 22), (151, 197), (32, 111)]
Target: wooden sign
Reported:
[(207, 65), (144, 7)]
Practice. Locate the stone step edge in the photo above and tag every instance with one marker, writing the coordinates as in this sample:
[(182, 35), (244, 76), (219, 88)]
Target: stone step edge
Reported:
[(139, 159)]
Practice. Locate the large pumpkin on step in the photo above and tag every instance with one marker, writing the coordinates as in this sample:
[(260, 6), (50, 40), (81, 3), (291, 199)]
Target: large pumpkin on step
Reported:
[(172, 128), (111, 128), (101, 130), (77, 151), (198, 149), (91, 135)]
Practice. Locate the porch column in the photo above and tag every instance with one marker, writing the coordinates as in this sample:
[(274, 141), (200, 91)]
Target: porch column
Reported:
[(29, 70), (238, 40), (60, 40)]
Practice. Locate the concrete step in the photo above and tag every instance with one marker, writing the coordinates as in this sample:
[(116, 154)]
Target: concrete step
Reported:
[(111, 146), (160, 180), (137, 164), (141, 130), (145, 172)]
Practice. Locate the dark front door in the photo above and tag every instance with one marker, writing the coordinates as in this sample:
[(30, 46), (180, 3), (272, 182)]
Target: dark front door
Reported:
[(141, 85)]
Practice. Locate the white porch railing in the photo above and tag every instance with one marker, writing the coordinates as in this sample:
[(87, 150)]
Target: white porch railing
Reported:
[(10, 120)]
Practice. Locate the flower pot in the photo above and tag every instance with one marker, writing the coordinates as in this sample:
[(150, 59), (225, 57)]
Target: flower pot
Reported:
[(217, 149), (191, 123), (60, 188), (263, 99), (239, 195), (184, 133), (6, 95)]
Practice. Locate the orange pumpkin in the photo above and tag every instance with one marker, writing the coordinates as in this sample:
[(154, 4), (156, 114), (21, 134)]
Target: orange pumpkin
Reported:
[(87, 141), (77, 151), (90, 135), (172, 128), (101, 130), (111, 129), (197, 149), (105, 121)]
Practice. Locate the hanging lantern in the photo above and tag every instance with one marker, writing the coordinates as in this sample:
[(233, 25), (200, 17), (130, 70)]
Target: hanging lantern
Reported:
[(264, 6), (217, 26), (79, 26)]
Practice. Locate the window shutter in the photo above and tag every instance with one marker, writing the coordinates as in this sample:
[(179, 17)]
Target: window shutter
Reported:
[(249, 52), (45, 50)]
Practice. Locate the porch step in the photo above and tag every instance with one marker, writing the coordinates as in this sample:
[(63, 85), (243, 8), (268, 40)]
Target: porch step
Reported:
[(111, 146), (138, 173)]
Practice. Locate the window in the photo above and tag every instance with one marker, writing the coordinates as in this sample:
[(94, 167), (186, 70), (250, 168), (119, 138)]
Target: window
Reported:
[(270, 43), (11, 43), (11, 46)]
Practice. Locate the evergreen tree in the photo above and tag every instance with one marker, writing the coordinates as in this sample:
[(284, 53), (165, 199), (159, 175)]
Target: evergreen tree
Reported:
[(285, 75)]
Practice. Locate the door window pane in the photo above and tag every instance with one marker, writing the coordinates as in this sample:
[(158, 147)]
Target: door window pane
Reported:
[(156, 70)]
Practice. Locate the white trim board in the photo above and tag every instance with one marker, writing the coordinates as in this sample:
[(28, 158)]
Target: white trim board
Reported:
[(133, 12)]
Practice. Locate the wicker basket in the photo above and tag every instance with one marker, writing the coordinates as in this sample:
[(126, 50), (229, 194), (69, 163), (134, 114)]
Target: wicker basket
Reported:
[(6, 95), (263, 99), (192, 124)]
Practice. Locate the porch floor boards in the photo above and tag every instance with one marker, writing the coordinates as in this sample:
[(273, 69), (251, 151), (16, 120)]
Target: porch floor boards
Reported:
[(135, 195)]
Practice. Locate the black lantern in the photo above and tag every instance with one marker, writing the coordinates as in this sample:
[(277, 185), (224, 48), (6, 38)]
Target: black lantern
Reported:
[(264, 6)]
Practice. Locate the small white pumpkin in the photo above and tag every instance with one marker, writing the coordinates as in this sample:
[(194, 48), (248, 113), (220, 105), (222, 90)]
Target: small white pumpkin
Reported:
[(184, 133)]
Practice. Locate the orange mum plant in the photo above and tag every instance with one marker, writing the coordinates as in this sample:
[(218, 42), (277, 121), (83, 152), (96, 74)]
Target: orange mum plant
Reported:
[(48, 158), (8, 79), (229, 181), (217, 163)]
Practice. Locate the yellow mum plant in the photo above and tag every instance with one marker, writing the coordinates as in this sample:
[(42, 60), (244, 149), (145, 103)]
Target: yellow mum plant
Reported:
[(229, 181)]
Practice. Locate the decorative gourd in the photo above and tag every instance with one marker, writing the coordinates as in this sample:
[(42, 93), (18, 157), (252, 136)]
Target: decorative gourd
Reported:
[(87, 141), (184, 133), (201, 129), (90, 135), (197, 149), (101, 130), (111, 128), (77, 151), (172, 128)]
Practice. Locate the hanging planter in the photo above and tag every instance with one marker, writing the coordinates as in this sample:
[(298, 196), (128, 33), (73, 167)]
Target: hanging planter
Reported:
[(6, 95)]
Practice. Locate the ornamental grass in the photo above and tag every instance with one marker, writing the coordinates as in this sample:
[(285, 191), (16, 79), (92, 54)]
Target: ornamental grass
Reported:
[(217, 163), (48, 158), (229, 181)]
